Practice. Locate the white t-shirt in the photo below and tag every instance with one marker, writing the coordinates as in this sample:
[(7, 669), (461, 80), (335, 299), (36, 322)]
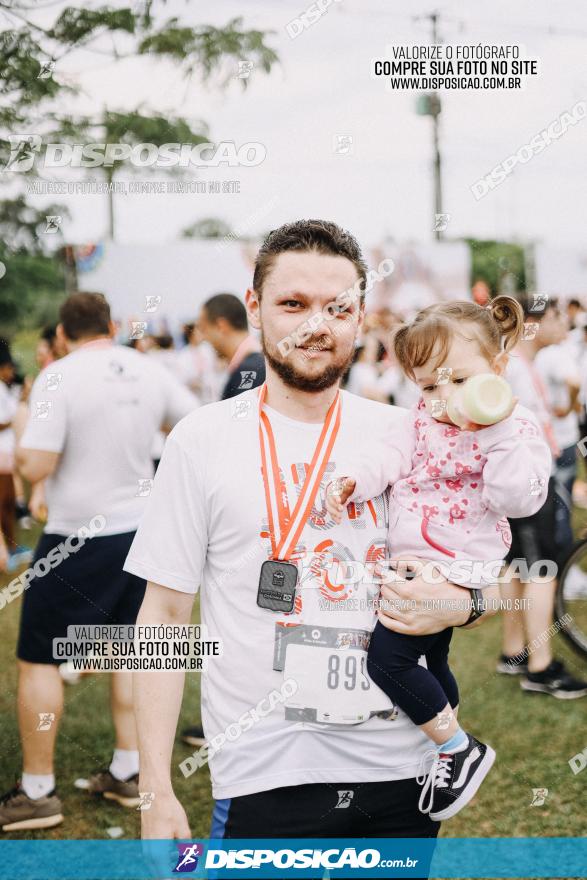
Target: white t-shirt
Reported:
[(198, 364), (100, 408), (206, 527), (395, 382), (582, 364), (362, 377), (168, 359), (521, 377), (556, 367)]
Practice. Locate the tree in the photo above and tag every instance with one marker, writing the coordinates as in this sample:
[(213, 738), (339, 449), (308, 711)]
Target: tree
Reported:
[(131, 128), (499, 264), (30, 55), (207, 227), (33, 280), (31, 90)]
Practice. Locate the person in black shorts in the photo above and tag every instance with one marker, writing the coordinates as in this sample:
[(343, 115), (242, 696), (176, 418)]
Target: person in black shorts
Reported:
[(525, 652), (91, 422)]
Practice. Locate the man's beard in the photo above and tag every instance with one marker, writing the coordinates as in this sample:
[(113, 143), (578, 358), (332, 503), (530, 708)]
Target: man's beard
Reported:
[(295, 379)]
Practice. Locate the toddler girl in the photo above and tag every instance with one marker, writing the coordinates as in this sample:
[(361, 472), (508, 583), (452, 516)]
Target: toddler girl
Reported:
[(451, 505)]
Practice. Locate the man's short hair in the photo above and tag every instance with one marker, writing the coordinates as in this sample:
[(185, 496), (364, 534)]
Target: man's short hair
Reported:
[(229, 307), (48, 334), (85, 314), (187, 331), (320, 236), (532, 308)]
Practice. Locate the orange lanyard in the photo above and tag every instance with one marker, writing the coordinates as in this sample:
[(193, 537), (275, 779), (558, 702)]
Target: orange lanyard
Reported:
[(285, 528)]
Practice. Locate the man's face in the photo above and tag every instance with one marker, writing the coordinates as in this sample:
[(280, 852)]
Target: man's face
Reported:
[(7, 373), (196, 336), (553, 327), (298, 287), (43, 354), (211, 331)]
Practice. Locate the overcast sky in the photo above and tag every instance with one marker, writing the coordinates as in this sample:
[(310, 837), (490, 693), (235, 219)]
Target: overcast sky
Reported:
[(323, 88)]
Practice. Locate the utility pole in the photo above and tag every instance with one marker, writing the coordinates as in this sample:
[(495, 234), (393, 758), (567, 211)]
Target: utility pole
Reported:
[(429, 105), (437, 160)]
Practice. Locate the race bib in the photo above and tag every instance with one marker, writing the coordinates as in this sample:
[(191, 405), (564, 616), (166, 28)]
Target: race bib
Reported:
[(329, 666)]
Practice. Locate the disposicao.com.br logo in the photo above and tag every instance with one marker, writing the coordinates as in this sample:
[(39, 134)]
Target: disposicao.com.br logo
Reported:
[(316, 859)]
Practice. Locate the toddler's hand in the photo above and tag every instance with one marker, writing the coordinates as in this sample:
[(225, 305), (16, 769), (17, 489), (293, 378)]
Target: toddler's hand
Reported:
[(337, 495)]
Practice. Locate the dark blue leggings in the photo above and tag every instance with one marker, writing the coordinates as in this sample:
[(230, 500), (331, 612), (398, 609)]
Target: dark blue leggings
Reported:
[(392, 663)]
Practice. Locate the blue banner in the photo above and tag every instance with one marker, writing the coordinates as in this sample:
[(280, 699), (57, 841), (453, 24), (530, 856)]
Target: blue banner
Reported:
[(559, 857)]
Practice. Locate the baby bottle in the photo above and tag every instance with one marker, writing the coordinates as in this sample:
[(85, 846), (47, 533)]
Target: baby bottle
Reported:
[(483, 399)]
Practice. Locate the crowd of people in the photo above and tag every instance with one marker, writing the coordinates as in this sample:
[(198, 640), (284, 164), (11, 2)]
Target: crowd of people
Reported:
[(87, 436)]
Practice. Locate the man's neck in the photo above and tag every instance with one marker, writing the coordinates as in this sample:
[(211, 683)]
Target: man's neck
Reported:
[(303, 406), (74, 344), (529, 348), (232, 343)]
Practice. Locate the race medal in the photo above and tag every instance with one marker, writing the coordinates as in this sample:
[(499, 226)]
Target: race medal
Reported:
[(279, 578), (277, 585)]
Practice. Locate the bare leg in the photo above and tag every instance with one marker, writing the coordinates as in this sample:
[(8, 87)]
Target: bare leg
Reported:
[(123, 711), (40, 690), (513, 621), (448, 725), (537, 620)]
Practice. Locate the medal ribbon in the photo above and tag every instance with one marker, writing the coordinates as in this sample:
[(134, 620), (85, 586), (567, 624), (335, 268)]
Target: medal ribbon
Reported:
[(285, 529)]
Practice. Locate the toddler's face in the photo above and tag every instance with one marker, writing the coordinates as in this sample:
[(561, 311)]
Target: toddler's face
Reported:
[(464, 359)]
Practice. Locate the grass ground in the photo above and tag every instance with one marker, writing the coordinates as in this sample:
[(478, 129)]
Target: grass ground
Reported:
[(534, 736)]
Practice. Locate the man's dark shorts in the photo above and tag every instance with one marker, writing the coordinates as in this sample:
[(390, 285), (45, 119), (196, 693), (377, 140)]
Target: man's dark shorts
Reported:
[(88, 587), (338, 809), (533, 536), (351, 810)]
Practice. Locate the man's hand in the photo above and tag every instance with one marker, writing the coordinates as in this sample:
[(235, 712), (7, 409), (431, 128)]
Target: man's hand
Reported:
[(3, 553), (157, 700), (417, 608), (165, 819), (38, 503)]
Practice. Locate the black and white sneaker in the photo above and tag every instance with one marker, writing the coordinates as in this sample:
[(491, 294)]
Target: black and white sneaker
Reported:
[(515, 665), (556, 681), (454, 778)]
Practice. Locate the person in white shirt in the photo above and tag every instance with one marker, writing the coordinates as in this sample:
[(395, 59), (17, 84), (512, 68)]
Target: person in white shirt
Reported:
[(199, 367), (163, 352), (92, 418), (8, 408), (533, 537), (562, 381), (226, 524), (363, 376)]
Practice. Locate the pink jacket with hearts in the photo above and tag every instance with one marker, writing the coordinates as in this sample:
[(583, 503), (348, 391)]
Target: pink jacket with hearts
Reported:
[(452, 490)]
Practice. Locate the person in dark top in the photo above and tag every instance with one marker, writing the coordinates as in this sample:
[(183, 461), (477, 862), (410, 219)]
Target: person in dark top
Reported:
[(223, 323)]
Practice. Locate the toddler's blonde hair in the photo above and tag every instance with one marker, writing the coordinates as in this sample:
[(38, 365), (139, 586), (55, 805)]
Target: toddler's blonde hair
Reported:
[(496, 327)]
